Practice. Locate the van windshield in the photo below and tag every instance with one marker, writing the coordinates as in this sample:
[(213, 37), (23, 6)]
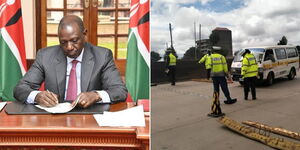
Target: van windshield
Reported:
[(257, 52)]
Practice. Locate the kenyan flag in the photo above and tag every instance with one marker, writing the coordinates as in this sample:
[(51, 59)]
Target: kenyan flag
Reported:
[(138, 51), (12, 48)]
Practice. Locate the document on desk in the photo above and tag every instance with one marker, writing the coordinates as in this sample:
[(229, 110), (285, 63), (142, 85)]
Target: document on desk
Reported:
[(60, 107), (2, 104), (129, 117)]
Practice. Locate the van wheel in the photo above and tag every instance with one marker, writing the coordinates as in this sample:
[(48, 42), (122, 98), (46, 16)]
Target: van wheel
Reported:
[(292, 74), (270, 79)]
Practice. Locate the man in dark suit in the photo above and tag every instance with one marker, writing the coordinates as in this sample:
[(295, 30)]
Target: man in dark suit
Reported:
[(73, 69)]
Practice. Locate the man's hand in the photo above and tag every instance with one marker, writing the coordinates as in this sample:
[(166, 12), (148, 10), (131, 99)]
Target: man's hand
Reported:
[(46, 99), (88, 98)]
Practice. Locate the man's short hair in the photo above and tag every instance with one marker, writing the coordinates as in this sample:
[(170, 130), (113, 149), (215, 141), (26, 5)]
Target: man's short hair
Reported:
[(69, 20)]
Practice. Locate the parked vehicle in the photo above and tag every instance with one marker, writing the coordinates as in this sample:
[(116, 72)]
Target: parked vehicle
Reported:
[(273, 62)]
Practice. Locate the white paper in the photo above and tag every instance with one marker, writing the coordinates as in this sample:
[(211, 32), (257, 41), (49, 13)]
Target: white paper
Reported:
[(129, 117), (60, 107), (2, 104)]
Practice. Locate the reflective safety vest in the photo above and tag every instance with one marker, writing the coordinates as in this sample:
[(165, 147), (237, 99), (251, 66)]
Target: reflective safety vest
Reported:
[(218, 65), (249, 66), (207, 59), (172, 60)]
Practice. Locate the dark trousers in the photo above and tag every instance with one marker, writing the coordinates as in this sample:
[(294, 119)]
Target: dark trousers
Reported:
[(208, 73), (249, 82), (172, 74), (221, 81)]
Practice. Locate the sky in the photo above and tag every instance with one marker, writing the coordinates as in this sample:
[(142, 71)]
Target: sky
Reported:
[(252, 22)]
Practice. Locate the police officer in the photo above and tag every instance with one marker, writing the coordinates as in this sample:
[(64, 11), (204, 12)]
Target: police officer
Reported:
[(171, 59), (219, 70), (249, 73), (207, 59)]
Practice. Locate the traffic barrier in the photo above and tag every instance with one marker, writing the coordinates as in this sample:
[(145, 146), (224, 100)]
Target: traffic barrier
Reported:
[(215, 107), (261, 135)]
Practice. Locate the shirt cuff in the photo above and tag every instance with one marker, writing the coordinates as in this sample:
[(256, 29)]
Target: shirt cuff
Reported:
[(104, 97), (31, 97)]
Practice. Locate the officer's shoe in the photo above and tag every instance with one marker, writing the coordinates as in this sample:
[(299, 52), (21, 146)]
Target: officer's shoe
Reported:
[(232, 101)]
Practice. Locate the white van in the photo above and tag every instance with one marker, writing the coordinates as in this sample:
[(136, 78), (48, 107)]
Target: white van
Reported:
[(273, 62)]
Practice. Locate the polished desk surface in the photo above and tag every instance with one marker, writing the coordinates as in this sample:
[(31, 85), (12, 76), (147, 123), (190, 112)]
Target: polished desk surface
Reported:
[(68, 124)]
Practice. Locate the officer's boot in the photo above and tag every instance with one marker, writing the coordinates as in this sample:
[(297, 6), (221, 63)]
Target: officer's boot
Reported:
[(253, 92), (246, 94)]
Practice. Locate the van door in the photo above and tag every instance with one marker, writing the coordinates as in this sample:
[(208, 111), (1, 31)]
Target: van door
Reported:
[(268, 62), (281, 69)]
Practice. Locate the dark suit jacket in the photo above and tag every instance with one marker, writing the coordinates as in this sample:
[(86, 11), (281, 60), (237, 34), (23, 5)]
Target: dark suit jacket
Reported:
[(98, 72)]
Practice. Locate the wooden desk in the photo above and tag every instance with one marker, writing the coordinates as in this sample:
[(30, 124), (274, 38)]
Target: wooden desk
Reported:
[(62, 130)]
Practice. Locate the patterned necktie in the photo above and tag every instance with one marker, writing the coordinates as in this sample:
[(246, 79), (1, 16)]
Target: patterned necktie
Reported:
[(72, 85)]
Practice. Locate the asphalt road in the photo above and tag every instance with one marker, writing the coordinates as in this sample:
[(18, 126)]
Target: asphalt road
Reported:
[(180, 121)]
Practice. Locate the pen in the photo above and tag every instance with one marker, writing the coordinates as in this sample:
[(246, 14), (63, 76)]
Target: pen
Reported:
[(53, 96)]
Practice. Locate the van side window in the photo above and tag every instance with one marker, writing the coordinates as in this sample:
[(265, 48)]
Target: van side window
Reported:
[(269, 55), (291, 52), (280, 53)]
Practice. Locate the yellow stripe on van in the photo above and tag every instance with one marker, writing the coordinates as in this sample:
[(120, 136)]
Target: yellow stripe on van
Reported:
[(270, 66)]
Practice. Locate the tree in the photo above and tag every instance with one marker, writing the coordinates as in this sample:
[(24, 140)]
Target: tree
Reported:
[(190, 54), (283, 41), (155, 56)]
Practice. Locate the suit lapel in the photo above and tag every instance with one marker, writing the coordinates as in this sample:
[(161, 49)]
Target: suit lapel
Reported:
[(61, 69), (87, 66)]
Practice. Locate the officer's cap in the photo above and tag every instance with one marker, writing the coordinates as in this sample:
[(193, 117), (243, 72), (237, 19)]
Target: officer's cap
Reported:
[(216, 48)]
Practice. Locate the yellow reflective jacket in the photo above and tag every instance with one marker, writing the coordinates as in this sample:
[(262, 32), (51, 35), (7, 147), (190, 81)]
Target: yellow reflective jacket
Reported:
[(218, 65), (207, 59), (249, 66), (172, 60)]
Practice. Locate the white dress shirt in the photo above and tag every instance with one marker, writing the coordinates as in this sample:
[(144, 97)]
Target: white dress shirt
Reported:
[(103, 94)]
